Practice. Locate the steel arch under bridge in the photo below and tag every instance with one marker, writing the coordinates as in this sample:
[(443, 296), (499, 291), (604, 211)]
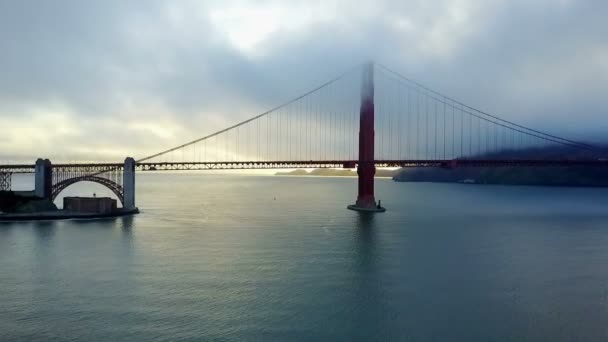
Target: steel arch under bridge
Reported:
[(5, 180), (113, 186), (110, 176)]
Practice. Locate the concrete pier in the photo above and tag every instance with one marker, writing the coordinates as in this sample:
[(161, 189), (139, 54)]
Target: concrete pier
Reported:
[(128, 184), (43, 181)]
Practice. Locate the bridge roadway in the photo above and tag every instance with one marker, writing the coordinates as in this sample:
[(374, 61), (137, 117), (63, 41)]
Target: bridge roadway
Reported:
[(289, 164)]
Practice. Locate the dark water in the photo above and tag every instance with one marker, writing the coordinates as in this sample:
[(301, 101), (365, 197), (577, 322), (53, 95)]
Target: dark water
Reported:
[(218, 258)]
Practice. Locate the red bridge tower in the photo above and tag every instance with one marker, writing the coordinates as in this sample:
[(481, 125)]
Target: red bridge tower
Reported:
[(366, 168)]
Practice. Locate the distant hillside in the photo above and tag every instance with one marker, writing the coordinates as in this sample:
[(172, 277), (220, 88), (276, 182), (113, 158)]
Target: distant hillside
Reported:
[(546, 176), (335, 173)]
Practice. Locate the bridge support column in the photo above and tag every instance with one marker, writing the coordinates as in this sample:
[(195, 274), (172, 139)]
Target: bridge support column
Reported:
[(43, 179), (128, 184), (366, 168), (5, 181)]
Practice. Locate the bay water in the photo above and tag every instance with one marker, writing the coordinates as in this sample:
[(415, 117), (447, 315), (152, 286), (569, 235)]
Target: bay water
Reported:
[(243, 257)]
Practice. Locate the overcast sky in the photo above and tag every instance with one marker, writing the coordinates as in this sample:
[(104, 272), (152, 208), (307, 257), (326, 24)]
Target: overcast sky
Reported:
[(83, 80)]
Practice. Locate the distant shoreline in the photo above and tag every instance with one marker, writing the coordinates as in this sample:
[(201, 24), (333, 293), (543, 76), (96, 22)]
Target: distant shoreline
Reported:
[(342, 173), (328, 176)]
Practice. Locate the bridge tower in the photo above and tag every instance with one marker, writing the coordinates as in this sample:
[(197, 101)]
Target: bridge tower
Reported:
[(43, 181), (128, 184), (366, 168)]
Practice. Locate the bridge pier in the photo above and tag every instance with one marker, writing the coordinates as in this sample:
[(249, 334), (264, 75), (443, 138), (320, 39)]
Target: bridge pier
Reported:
[(43, 179), (128, 184), (366, 168)]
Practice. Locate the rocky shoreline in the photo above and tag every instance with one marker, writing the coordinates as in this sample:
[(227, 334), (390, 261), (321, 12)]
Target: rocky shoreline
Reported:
[(62, 215)]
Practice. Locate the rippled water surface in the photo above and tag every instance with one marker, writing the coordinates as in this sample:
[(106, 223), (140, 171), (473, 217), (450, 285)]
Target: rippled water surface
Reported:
[(231, 258)]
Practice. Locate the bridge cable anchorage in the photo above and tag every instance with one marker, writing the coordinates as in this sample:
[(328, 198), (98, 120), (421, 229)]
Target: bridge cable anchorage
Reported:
[(268, 112), (541, 133)]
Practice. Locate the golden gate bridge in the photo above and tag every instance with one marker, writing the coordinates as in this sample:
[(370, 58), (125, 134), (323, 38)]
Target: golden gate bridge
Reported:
[(368, 117)]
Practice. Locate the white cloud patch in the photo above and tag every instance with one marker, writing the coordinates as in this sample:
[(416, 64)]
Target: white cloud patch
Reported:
[(103, 80)]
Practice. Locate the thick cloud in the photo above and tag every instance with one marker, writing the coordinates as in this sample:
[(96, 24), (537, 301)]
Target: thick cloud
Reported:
[(101, 80)]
